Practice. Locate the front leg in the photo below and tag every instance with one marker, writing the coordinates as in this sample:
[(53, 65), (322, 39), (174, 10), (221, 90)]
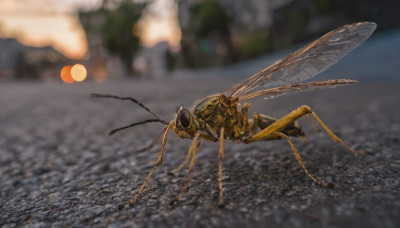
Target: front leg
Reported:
[(205, 136), (194, 149), (158, 163)]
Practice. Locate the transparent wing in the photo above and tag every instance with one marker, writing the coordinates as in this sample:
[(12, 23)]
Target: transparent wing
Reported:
[(307, 62), (290, 89)]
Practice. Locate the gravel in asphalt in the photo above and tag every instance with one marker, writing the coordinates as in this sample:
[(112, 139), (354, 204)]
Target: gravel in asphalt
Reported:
[(58, 167)]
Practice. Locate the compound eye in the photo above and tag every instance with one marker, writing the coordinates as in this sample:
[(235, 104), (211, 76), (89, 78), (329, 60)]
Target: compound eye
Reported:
[(184, 117)]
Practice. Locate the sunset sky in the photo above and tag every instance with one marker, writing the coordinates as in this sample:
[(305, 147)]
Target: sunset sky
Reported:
[(55, 22)]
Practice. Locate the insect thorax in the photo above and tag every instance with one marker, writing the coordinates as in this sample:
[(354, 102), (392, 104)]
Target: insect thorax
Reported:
[(217, 112)]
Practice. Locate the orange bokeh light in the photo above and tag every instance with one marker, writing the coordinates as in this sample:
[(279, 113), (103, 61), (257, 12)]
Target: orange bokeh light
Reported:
[(78, 72), (66, 74)]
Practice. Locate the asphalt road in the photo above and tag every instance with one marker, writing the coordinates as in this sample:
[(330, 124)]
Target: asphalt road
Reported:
[(59, 168)]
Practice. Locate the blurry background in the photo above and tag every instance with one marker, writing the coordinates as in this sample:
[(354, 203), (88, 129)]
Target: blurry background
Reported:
[(44, 39)]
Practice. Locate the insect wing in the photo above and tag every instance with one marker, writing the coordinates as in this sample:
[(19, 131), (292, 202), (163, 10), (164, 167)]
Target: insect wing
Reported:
[(307, 62), (290, 89)]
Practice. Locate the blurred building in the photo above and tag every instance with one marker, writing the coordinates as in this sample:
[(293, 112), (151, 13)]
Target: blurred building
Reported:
[(151, 61), (20, 61)]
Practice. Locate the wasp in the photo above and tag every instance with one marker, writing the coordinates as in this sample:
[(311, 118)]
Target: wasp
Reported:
[(221, 117)]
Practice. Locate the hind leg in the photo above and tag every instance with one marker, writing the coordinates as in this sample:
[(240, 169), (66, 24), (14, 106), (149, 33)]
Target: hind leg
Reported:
[(297, 155), (263, 121), (273, 131), (290, 118)]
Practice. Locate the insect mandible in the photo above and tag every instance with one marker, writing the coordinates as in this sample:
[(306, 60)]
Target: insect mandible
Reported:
[(220, 117)]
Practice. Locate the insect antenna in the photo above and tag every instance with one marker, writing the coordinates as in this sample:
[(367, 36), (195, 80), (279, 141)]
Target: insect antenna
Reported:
[(96, 95), (134, 124), (158, 119)]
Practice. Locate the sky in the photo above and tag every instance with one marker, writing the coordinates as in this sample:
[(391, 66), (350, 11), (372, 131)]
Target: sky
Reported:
[(55, 22)]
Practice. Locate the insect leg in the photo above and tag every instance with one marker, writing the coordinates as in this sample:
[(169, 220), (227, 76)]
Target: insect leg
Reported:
[(312, 124), (201, 135), (245, 120), (279, 124), (96, 95), (254, 126), (158, 163), (194, 149), (289, 118), (334, 137), (186, 159), (208, 137), (249, 125), (296, 153), (221, 156)]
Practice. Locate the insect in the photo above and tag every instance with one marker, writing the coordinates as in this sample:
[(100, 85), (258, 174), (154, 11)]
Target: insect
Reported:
[(221, 117)]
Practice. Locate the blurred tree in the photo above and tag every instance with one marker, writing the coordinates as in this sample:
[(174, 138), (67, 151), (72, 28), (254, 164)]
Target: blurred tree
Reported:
[(208, 17), (254, 43), (207, 41), (113, 24), (262, 26)]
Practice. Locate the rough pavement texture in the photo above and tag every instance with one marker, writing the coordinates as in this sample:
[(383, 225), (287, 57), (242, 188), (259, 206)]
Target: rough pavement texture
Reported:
[(59, 168)]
